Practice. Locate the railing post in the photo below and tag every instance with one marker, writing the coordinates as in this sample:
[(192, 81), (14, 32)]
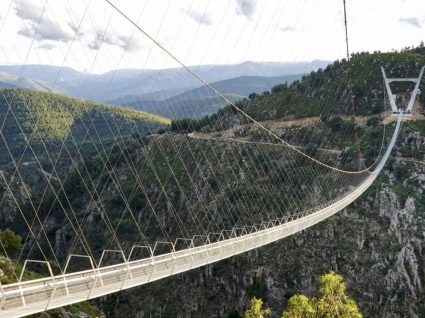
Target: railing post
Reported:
[(142, 247), (98, 274), (205, 243), (260, 228), (129, 258), (54, 285), (175, 259), (20, 286), (3, 298), (189, 248), (154, 249), (67, 264), (22, 274), (153, 267), (220, 238), (241, 234), (225, 238)]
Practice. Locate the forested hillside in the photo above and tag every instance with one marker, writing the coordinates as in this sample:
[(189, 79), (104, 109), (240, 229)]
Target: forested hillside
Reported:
[(319, 93), (45, 120)]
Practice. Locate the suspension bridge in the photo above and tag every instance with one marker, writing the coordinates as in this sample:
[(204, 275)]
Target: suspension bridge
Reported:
[(39, 295), (131, 200)]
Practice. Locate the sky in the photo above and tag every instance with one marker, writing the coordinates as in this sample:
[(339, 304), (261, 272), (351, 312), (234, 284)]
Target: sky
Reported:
[(90, 36)]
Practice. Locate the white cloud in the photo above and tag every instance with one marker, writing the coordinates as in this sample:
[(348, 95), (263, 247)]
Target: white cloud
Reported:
[(201, 18), (47, 46), (246, 7), (26, 10), (127, 43), (37, 26), (75, 28), (287, 29), (277, 31), (130, 44), (411, 21)]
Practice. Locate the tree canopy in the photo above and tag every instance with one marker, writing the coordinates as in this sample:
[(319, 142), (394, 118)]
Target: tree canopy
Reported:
[(299, 307), (11, 243), (332, 301), (256, 310)]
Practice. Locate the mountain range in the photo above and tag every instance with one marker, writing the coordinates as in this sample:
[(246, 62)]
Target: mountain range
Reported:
[(147, 84), (202, 101)]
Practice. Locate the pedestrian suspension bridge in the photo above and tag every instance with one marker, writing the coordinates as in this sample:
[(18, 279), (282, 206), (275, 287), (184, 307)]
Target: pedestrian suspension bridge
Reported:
[(191, 201)]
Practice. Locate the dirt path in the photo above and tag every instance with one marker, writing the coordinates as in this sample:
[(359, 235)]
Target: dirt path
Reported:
[(204, 136), (289, 121)]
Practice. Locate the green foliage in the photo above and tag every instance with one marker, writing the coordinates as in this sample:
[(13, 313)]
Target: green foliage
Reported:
[(417, 125), (332, 301), (279, 88), (325, 91), (372, 122), (256, 310), (84, 307), (311, 149), (187, 125), (299, 306), (8, 273), (253, 96), (11, 243), (45, 120)]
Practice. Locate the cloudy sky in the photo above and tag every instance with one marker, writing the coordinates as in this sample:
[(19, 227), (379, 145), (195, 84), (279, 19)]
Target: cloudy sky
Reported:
[(90, 36)]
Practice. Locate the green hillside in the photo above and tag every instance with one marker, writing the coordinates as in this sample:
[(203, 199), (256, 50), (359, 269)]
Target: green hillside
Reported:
[(192, 107), (318, 93), (43, 119)]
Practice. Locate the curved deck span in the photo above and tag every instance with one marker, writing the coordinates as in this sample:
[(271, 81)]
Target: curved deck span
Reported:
[(24, 298)]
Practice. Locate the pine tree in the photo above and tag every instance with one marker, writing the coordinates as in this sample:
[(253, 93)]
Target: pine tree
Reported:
[(256, 310), (299, 307), (332, 301), (11, 243)]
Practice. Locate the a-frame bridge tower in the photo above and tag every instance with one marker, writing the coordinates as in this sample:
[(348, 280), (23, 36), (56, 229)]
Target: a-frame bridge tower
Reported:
[(392, 97)]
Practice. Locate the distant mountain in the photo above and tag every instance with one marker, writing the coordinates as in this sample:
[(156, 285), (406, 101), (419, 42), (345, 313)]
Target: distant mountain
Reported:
[(127, 82), (174, 108), (9, 80), (242, 86), (201, 101)]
